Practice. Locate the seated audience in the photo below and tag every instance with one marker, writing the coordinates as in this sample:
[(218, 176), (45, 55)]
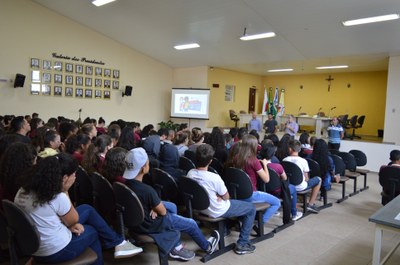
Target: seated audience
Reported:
[(65, 231), (114, 165), (77, 145), (94, 157), (66, 129), (51, 144), (220, 203), (89, 129), (114, 131), (20, 127), (169, 161), (314, 183), (181, 141), (152, 144), (101, 126), (127, 138), (157, 218), (197, 138), (217, 141)]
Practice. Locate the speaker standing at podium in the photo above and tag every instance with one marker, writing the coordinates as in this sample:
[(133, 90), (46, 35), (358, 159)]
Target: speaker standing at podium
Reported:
[(254, 123)]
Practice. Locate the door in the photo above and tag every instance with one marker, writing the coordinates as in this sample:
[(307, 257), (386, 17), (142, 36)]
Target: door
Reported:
[(252, 99)]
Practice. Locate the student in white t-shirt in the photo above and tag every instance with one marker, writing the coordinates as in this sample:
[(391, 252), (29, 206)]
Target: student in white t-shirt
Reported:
[(220, 204), (313, 183)]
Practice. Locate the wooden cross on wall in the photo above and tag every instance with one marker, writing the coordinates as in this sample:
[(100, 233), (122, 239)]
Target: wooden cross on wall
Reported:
[(329, 79)]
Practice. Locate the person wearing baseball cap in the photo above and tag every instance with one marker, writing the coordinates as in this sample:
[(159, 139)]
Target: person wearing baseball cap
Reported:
[(156, 215)]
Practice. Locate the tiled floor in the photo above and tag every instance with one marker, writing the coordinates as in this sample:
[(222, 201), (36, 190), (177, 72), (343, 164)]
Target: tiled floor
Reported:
[(340, 234)]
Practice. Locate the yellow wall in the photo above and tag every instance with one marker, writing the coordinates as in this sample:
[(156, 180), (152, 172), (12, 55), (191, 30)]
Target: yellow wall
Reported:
[(219, 108), (30, 30), (366, 95)]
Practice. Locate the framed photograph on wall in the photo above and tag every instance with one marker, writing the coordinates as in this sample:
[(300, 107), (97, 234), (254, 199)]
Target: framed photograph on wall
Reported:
[(46, 65), (69, 80), (116, 74), (88, 93), (115, 84), (107, 94), (69, 67), (46, 90), (58, 91), (89, 70), (58, 66), (35, 76), (98, 71), (35, 63), (97, 93), (46, 77), (35, 89), (229, 93), (79, 69), (107, 83), (97, 82), (69, 91), (79, 81), (88, 81), (107, 72), (57, 79), (79, 93)]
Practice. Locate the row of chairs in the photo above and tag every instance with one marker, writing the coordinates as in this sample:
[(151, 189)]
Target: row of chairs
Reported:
[(355, 122)]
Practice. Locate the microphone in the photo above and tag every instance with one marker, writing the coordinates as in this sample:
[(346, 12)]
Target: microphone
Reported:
[(333, 108), (299, 109), (319, 109)]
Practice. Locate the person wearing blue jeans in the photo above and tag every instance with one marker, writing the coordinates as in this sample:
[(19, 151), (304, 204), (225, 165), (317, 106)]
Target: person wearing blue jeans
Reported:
[(65, 231), (157, 212), (220, 203), (274, 202)]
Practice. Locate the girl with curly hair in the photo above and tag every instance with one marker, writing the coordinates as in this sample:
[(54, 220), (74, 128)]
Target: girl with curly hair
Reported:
[(65, 231), (114, 165)]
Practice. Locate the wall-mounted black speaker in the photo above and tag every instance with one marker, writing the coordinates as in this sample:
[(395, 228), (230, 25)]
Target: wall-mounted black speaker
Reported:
[(128, 91), (19, 80)]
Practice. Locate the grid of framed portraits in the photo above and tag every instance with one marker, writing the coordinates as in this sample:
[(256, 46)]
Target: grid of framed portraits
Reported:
[(72, 79)]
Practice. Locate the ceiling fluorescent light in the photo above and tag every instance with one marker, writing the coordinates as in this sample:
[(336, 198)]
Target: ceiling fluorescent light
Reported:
[(280, 70), (331, 67), (187, 46), (101, 2), (370, 20), (258, 36)]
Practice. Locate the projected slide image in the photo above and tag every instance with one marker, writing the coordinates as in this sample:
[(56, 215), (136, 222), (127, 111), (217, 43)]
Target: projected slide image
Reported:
[(190, 103)]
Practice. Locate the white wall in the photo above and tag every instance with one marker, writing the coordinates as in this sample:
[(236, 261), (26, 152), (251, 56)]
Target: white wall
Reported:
[(392, 115), (30, 30)]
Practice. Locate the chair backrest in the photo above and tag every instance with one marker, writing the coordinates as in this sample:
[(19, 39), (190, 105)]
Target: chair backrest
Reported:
[(103, 194), (238, 183), (315, 171), (217, 165), (211, 169), (3, 229), (349, 161), (360, 121), (191, 155), (186, 164), (293, 172), (82, 189), (232, 114), (165, 185), (340, 166), (23, 234), (353, 121), (273, 184), (389, 178), (334, 151), (343, 120), (192, 191), (129, 204), (243, 112), (361, 158)]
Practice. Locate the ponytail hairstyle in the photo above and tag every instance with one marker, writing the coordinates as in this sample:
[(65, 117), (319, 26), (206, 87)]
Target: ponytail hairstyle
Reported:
[(91, 159)]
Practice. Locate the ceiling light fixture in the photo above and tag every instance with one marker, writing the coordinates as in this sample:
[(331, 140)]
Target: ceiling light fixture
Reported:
[(257, 36), (370, 20), (101, 2), (280, 70), (187, 46), (331, 67)]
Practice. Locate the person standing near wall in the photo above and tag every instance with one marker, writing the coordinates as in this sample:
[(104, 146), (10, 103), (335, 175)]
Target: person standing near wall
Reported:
[(335, 133)]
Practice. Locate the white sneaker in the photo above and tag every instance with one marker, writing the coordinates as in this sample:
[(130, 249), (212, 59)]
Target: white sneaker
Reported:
[(298, 216), (126, 250)]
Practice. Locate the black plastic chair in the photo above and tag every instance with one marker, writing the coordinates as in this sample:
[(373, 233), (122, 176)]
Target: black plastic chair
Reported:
[(130, 214), (315, 171), (389, 178), (191, 155), (165, 185), (81, 191), (104, 200), (340, 169), (352, 123), (218, 166), (24, 239), (196, 200), (351, 166), (186, 164), (361, 160), (360, 122), (295, 177), (240, 188)]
